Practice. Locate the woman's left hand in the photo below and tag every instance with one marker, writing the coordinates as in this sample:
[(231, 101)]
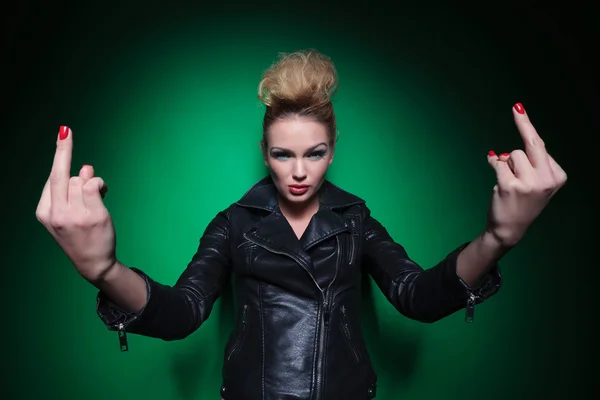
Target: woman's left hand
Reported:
[(526, 181)]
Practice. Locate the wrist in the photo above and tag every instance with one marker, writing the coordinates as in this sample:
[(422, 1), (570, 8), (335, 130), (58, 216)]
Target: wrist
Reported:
[(109, 275), (493, 245)]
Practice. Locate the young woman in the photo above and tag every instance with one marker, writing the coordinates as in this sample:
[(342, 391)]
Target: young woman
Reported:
[(295, 246)]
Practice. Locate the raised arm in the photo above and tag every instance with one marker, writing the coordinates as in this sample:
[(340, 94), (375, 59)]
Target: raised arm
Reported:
[(173, 312), (425, 295)]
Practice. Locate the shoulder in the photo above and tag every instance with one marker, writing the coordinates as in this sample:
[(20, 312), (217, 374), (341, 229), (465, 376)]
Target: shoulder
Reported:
[(260, 199)]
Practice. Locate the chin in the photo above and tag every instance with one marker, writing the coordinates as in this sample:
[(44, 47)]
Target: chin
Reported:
[(306, 197), (298, 199)]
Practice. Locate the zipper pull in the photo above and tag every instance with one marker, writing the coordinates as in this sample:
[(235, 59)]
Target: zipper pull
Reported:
[(122, 337), (470, 308)]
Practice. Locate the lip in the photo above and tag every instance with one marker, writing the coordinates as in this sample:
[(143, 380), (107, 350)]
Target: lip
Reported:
[(298, 190)]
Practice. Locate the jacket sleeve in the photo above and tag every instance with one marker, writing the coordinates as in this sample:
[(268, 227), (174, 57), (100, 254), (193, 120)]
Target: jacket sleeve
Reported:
[(175, 312), (425, 295)]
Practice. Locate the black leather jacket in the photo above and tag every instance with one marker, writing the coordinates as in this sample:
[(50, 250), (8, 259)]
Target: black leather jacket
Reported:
[(298, 333)]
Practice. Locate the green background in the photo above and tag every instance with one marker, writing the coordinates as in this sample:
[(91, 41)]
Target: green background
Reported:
[(162, 102)]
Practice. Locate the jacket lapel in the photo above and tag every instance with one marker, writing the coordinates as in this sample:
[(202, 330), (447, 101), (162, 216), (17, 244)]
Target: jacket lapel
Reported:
[(323, 225), (273, 233)]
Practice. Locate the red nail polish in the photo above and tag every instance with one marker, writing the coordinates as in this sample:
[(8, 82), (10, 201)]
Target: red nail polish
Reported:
[(491, 153), (519, 108), (505, 154), (63, 132)]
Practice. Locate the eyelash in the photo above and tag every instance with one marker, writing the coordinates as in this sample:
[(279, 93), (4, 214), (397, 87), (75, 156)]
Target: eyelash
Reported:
[(315, 155)]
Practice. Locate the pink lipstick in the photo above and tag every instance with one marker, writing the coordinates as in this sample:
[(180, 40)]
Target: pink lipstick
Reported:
[(298, 190)]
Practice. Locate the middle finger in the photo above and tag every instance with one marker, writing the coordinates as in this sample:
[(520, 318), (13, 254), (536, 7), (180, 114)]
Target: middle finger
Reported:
[(534, 145), (61, 168)]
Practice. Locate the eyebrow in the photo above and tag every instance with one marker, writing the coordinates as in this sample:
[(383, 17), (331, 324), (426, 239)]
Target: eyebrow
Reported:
[(313, 148)]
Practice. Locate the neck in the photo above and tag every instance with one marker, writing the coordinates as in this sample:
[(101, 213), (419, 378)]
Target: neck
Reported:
[(299, 210)]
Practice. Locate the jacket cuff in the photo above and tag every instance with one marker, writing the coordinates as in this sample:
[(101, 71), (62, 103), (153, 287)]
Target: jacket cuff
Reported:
[(113, 316), (487, 286)]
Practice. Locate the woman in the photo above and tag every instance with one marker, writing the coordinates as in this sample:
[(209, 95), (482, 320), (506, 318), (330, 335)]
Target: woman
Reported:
[(295, 246)]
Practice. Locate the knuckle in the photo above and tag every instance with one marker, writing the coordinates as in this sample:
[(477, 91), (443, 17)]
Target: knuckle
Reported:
[(537, 141), (41, 215), (524, 189), (101, 217), (509, 187), (562, 178), (59, 221), (548, 185), (95, 219), (75, 181), (92, 186), (515, 186), (541, 187), (89, 189), (548, 189)]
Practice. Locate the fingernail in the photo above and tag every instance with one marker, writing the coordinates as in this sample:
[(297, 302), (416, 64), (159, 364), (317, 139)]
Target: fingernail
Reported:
[(519, 108), (63, 132), (505, 155), (491, 153)]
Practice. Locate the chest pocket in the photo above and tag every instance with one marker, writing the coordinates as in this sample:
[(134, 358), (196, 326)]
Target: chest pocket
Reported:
[(354, 242)]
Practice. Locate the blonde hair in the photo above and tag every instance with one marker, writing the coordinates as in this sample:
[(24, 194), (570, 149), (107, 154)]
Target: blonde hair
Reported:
[(299, 84)]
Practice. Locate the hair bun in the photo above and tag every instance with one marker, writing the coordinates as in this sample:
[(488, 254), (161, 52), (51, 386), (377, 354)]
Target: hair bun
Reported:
[(304, 79)]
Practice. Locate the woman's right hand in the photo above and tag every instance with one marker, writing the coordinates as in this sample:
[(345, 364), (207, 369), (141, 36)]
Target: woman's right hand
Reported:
[(72, 210)]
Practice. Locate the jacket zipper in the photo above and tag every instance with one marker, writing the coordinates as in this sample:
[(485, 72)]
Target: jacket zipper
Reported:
[(353, 232), (325, 324), (471, 301), (470, 310), (122, 337), (121, 329), (326, 294), (238, 342), (347, 333)]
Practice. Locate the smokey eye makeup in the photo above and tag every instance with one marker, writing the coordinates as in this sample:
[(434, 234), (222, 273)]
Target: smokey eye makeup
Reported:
[(280, 154), (317, 154)]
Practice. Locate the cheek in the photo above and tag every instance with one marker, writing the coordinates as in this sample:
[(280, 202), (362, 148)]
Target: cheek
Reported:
[(318, 169), (278, 170), (279, 176)]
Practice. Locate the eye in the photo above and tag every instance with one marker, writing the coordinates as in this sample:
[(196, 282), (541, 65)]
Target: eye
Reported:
[(317, 155), (280, 155)]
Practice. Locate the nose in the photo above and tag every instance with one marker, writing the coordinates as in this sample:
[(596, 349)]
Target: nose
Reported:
[(299, 171)]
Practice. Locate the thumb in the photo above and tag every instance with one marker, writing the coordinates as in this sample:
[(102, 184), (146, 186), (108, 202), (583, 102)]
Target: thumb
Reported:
[(93, 192)]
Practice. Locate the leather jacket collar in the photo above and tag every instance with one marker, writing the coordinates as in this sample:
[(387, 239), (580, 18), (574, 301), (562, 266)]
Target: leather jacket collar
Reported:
[(273, 232)]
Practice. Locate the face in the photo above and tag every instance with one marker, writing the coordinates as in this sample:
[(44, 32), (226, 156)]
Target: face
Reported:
[(298, 156)]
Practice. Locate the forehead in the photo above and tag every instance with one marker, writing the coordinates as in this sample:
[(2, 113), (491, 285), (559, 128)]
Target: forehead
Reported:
[(297, 133)]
